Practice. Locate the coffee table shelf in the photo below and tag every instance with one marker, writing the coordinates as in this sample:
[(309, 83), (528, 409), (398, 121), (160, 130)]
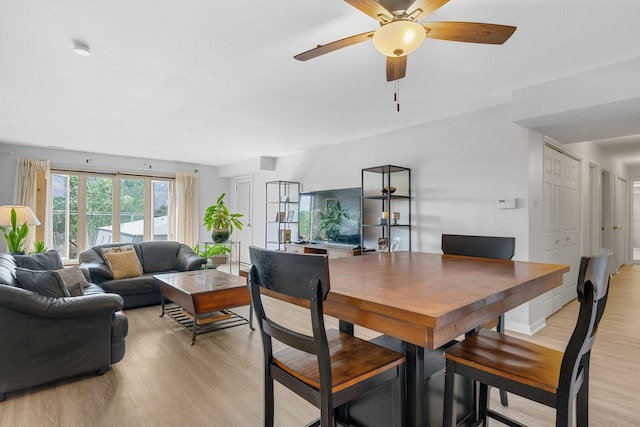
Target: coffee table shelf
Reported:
[(226, 319), (197, 295)]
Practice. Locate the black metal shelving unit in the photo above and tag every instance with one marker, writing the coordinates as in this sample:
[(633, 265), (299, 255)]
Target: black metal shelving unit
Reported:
[(387, 189), (281, 213)]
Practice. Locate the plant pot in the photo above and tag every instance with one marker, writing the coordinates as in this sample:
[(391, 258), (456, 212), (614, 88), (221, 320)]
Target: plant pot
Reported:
[(220, 235), (217, 260)]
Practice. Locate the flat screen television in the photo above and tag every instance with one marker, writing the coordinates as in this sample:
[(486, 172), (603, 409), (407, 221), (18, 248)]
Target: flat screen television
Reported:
[(330, 216)]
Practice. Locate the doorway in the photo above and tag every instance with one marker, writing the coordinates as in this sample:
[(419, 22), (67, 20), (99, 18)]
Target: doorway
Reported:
[(244, 206)]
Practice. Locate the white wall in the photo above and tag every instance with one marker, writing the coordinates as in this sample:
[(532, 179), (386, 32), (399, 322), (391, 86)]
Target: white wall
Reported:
[(210, 186), (634, 173), (460, 167)]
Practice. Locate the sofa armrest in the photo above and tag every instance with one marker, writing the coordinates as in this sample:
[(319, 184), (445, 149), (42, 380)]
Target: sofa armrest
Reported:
[(34, 304), (188, 260), (119, 331), (97, 271)]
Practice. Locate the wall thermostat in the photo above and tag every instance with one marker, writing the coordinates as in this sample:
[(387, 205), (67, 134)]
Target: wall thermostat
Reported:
[(506, 203)]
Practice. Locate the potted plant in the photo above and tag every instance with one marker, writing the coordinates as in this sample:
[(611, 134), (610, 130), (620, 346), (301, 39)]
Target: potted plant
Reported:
[(220, 221), (39, 247), (15, 237), (218, 253)]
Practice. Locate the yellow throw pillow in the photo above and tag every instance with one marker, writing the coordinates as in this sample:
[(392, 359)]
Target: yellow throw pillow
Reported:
[(123, 264)]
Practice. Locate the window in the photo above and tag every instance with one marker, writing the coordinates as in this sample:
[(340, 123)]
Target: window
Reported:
[(84, 208)]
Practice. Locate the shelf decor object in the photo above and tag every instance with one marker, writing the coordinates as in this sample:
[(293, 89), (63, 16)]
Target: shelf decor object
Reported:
[(382, 210), (281, 213)]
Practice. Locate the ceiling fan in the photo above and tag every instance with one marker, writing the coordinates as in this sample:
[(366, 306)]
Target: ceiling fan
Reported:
[(400, 33)]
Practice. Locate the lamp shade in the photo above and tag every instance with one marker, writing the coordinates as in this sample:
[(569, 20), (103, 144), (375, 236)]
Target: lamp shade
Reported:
[(399, 38), (24, 214)]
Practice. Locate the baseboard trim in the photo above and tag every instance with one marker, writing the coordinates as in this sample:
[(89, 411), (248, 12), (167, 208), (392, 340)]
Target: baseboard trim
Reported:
[(524, 328)]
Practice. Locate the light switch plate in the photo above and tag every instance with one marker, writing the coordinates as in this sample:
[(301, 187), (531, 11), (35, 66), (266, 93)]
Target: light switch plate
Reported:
[(507, 204)]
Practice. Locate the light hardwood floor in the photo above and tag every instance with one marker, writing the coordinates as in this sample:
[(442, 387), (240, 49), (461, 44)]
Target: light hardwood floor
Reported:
[(163, 381)]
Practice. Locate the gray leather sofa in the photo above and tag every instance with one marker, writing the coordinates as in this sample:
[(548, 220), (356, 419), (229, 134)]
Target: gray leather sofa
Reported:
[(155, 257), (43, 338)]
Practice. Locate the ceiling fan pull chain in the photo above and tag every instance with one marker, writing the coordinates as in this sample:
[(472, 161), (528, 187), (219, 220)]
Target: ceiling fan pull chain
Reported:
[(396, 96)]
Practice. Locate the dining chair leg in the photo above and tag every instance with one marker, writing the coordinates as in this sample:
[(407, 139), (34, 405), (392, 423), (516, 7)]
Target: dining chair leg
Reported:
[(564, 410), (483, 403), (396, 402), (503, 398), (582, 399), (268, 401), (503, 393), (449, 394)]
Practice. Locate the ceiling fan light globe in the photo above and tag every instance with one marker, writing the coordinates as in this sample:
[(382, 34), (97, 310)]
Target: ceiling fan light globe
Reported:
[(399, 38)]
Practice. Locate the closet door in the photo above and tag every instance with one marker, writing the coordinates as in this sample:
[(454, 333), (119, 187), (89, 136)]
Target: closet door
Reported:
[(561, 222)]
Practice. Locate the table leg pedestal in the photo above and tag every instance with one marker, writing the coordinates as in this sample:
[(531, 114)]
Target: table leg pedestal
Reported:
[(423, 393)]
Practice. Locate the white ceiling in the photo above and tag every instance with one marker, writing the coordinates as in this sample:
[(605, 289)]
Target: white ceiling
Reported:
[(215, 82)]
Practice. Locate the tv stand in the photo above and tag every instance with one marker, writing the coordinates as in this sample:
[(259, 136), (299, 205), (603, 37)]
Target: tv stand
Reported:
[(333, 251)]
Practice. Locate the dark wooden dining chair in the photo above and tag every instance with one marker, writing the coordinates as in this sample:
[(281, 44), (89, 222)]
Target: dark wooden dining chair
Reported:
[(551, 377), (484, 247), (327, 368)]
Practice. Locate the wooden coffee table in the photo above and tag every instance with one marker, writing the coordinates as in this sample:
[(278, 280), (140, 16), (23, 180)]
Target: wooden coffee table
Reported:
[(204, 298)]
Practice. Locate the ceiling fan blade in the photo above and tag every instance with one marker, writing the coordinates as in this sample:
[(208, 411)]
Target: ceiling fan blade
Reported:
[(470, 32), (426, 6), (330, 47), (371, 8), (396, 67)]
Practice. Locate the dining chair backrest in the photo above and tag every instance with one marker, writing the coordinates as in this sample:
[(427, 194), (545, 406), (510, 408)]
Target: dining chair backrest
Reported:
[(291, 275), (479, 246), (592, 289), (548, 376), (484, 247), (327, 368)]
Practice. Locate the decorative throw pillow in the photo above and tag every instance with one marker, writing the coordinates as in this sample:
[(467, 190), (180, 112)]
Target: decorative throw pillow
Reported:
[(49, 260), (123, 264), (115, 249), (118, 249), (46, 282), (74, 280)]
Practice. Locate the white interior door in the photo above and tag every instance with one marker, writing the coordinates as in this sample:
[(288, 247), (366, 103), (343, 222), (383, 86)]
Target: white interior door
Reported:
[(561, 222), (595, 191), (620, 233), (244, 197), (606, 211)]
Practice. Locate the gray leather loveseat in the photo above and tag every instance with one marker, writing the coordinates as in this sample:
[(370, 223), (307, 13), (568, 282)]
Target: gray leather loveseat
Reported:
[(46, 338), (154, 256)]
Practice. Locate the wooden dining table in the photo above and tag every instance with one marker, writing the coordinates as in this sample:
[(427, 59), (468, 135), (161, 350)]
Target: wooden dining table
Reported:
[(427, 300)]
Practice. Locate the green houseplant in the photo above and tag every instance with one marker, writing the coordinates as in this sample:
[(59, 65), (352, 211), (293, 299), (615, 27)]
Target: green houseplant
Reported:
[(16, 236), (220, 221), (39, 247), (218, 253)]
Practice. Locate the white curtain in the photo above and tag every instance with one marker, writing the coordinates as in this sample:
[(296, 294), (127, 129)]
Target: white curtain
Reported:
[(187, 218), (25, 193)]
